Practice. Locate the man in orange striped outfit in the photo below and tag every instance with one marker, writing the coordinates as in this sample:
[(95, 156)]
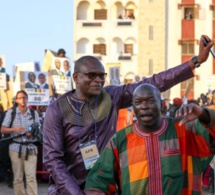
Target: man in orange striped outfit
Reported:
[(155, 155)]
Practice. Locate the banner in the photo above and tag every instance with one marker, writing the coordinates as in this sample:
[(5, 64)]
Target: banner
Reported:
[(36, 85), (22, 67), (3, 82), (61, 75), (114, 73)]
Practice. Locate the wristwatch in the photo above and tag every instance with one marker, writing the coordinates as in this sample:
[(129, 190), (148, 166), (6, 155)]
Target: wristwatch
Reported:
[(195, 61)]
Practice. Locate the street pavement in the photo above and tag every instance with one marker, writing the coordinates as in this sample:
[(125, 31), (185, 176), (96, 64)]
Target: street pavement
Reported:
[(42, 189), (5, 190)]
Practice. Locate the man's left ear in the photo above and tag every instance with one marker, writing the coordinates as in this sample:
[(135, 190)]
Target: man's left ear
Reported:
[(75, 78)]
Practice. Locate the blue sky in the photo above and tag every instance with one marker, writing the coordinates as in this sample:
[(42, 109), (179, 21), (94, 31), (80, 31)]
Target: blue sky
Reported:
[(30, 27)]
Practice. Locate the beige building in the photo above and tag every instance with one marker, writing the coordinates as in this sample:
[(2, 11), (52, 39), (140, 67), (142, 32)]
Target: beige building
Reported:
[(129, 34), (108, 30), (145, 37)]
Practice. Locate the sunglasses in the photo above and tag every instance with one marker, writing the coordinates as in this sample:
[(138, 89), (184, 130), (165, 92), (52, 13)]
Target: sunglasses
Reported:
[(93, 75)]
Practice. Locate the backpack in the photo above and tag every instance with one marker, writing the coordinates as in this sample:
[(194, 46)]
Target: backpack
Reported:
[(1, 121), (13, 115)]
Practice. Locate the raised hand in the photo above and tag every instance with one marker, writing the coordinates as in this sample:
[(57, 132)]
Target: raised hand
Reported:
[(203, 49), (190, 113)]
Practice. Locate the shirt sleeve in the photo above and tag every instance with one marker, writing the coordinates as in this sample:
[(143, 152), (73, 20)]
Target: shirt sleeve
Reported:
[(194, 138), (122, 95), (7, 118), (53, 150), (102, 177)]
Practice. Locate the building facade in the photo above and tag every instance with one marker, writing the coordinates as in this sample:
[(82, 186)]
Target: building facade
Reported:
[(145, 37)]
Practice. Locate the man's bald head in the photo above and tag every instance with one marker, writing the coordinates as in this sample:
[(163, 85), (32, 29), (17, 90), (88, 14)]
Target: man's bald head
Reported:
[(142, 89), (86, 61)]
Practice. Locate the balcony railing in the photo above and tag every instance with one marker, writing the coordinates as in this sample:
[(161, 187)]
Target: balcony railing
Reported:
[(124, 58), (124, 23), (92, 24)]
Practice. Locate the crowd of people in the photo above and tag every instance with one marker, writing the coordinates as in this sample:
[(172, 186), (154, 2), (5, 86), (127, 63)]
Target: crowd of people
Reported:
[(85, 155)]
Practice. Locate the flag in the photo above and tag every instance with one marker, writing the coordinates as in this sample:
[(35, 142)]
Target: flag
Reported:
[(38, 90)]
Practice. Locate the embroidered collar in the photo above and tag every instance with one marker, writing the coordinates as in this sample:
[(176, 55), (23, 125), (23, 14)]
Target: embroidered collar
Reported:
[(162, 129), (73, 101)]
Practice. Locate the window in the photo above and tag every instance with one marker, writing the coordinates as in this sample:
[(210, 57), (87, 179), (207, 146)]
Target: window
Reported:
[(187, 48), (188, 13), (100, 14), (150, 32), (191, 13), (129, 13), (129, 48), (99, 48)]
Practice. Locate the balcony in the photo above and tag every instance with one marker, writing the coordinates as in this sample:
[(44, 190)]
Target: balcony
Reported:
[(92, 24), (124, 23), (124, 57)]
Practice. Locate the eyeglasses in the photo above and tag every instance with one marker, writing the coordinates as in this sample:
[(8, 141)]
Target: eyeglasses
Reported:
[(21, 98), (93, 75)]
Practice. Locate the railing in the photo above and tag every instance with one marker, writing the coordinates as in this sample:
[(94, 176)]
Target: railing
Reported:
[(124, 58), (91, 24)]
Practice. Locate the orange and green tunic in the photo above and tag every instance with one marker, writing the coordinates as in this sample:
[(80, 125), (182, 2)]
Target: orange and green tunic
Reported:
[(170, 160)]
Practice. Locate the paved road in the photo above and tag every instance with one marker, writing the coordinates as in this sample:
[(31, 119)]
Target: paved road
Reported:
[(4, 190)]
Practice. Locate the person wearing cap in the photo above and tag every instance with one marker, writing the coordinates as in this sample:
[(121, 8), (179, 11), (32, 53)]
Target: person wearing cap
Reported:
[(177, 102), (61, 53), (79, 124)]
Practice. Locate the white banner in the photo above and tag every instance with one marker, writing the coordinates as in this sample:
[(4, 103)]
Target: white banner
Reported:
[(36, 85), (3, 82), (61, 75), (62, 84)]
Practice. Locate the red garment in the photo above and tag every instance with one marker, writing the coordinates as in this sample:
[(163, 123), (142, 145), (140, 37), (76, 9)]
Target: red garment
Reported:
[(206, 177)]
